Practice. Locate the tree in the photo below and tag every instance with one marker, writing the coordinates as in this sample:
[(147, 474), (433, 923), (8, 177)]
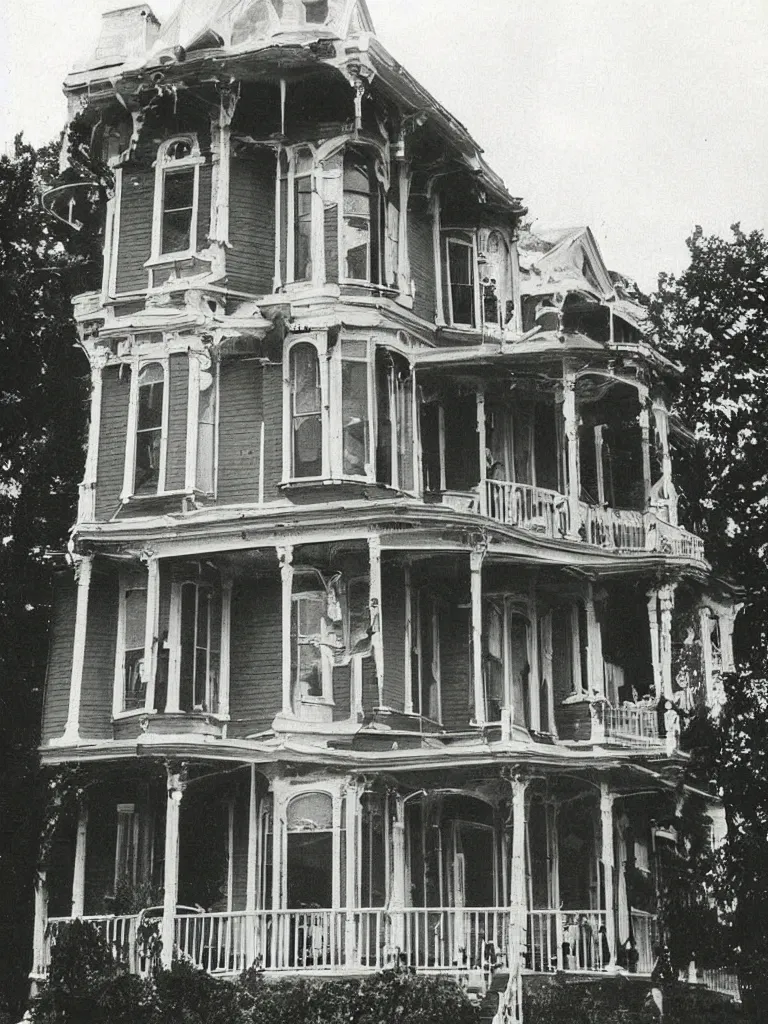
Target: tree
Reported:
[(43, 401), (713, 319)]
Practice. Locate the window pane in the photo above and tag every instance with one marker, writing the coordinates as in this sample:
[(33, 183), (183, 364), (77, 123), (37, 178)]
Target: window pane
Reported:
[(134, 684), (177, 231), (310, 612), (206, 430), (305, 379), (404, 414), (354, 413), (461, 278), (307, 447), (307, 423), (310, 812), (302, 268), (179, 190), (187, 646), (150, 412), (356, 174), (356, 244), (147, 471)]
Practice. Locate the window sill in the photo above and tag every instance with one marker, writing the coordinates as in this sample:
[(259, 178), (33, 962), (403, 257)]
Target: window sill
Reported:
[(167, 258), (128, 499)]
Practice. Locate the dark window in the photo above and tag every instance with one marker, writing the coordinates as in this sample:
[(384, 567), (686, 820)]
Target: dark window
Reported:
[(316, 11), (134, 683), (178, 209), (306, 412), (361, 244), (354, 416), (461, 281), (199, 653), (302, 224), (149, 428)]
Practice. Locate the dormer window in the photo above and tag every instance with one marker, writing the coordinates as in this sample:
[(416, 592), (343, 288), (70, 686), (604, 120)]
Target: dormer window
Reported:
[(177, 187)]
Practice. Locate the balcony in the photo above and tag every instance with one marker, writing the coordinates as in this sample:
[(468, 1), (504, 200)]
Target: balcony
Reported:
[(548, 513)]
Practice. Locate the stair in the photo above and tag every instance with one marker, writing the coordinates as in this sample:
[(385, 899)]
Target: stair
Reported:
[(489, 1004)]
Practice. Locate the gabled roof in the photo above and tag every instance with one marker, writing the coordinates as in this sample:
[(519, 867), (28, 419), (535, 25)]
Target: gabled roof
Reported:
[(563, 260)]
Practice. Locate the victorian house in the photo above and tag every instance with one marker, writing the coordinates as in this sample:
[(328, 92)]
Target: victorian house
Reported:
[(379, 623)]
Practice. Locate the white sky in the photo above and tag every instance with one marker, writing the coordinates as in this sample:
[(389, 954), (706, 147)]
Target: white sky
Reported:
[(640, 118)]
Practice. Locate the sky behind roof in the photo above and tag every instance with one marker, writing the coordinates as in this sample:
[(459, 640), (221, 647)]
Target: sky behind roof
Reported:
[(640, 118)]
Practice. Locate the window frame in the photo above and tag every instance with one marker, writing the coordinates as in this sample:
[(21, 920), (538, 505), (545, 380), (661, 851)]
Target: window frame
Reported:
[(138, 364), (466, 238), (173, 700), (377, 225), (128, 582), (325, 697), (167, 165), (127, 836)]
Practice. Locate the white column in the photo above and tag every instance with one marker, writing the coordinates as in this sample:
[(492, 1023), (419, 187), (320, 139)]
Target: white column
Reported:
[(518, 903), (78, 875), (403, 255), (374, 606), (653, 623), (571, 435), (285, 558), (408, 643), (397, 896), (251, 874), (171, 879), (438, 251), (666, 603), (645, 433), (476, 588), (39, 943), (351, 852), (482, 444), (224, 653), (661, 419), (151, 630), (553, 843), (596, 665), (83, 572), (606, 832), (87, 508)]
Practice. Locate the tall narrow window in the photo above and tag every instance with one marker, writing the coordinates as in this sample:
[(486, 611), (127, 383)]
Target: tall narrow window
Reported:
[(200, 637), (176, 198), (461, 281), (309, 854), (394, 443), (206, 433), (302, 216), (307, 630), (135, 617), (354, 408), (149, 428), (519, 628), (306, 412), (493, 634), (361, 248), (126, 845)]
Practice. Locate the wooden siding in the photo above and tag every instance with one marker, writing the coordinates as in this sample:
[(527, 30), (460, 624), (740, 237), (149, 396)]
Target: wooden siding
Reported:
[(272, 406), (256, 685), (251, 260), (99, 667), (116, 393), (422, 256), (100, 851), (135, 242), (60, 645), (370, 685), (331, 225), (204, 206), (240, 415), (178, 398), (393, 615), (455, 666), (342, 677)]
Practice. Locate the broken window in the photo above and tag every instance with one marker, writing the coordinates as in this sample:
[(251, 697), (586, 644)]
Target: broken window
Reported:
[(425, 656), (308, 633), (362, 219), (460, 263), (354, 408), (306, 412), (149, 428), (493, 637), (199, 646), (134, 619), (302, 216), (206, 434), (394, 396)]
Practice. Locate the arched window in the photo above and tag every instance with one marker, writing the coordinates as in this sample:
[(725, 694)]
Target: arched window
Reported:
[(363, 219), (306, 412), (177, 186), (149, 428), (309, 822)]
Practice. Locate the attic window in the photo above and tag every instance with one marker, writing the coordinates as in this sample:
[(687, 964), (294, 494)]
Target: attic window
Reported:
[(316, 11)]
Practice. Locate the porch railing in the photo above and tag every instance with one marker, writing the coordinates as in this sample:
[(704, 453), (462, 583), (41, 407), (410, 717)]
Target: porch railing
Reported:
[(566, 940), (119, 932), (724, 982), (618, 529), (531, 508), (638, 726)]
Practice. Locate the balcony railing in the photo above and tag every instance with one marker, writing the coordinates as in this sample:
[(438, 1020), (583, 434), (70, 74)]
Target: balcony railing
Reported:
[(566, 940), (547, 512), (633, 725)]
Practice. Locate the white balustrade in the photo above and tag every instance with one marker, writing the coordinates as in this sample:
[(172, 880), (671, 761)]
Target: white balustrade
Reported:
[(565, 940), (638, 726), (119, 932), (724, 982), (531, 508)]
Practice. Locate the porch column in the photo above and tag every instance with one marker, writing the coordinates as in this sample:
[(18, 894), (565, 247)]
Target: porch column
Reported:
[(671, 718), (661, 420), (151, 638), (596, 683), (553, 851), (653, 622), (374, 608), (482, 444), (224, 653), (518, 902), (606, 832), (438, 253), (397, 896), (175, 784), (285, 558), (251, 868), (645, 433), (476, 586), (571, 434), (408, 642), (39, 944), (78, 875), (87, 505), (83, 572), (352, 851)]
